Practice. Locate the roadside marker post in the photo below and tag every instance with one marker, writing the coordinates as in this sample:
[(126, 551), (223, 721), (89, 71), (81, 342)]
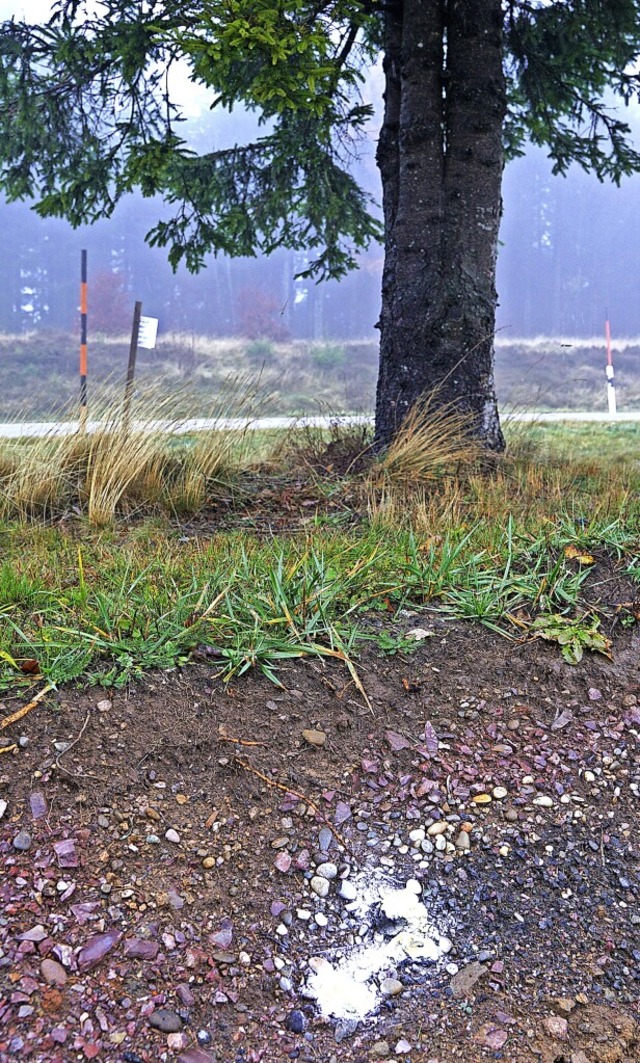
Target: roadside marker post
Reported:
[(131, 367), (611, 386), (83, 342)]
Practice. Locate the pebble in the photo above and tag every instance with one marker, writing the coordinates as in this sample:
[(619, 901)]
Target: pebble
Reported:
[(441, 843), (53, 972), (3, 808), (172, 835), (327, 870), (314, 738), (463, 841), (499, 792), (166, 1021), (437, 828), (209, 862), (511, 815), (320, 886), (152, 839), (380, 1050), (390, 987), (543, 800), (321, 919), (295, 1021), (556, 1026), (22, 841), (325, 838), (347, 891), (283, 862)]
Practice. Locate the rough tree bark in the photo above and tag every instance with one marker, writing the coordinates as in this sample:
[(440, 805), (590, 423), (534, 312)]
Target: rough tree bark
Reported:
[(441, 159)]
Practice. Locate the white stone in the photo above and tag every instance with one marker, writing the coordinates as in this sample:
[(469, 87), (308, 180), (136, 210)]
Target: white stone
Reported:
[(347, 891), (327, 870), (320, 886)]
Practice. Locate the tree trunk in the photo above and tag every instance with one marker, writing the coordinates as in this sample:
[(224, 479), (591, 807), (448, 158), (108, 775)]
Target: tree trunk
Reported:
[(440, 158)]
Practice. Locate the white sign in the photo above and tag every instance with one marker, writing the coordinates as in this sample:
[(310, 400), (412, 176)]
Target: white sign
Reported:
[(148, 332)]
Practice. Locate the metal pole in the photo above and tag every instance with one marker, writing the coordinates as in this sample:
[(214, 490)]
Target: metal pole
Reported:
[(131, 367), (83, 342)]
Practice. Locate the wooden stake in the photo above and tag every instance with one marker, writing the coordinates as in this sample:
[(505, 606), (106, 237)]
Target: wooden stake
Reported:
[(131, 367)]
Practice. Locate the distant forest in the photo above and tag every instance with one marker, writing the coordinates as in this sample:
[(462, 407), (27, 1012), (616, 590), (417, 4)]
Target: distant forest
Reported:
[(570, 249)]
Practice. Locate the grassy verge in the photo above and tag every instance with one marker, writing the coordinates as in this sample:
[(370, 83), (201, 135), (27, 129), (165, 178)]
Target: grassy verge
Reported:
[(526, 550)]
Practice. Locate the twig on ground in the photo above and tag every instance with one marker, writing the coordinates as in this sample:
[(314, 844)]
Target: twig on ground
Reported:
[(294, 793), (8, 720), (224, 737), (73, 775), (9, 749)]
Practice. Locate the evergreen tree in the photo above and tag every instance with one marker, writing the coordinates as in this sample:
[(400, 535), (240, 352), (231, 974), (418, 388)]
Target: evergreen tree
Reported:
[(86, 115)]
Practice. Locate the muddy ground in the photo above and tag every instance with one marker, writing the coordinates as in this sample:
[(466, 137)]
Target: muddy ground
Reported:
[(158, 845)]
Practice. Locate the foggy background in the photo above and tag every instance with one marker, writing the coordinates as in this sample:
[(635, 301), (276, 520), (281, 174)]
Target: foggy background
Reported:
[(569, 250)]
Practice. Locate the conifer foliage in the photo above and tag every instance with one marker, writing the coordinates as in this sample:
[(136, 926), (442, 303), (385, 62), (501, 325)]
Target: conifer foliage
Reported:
[(88, 113)]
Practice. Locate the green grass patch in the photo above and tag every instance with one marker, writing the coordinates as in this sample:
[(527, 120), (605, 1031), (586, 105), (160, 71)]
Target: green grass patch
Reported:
[(527, 550)]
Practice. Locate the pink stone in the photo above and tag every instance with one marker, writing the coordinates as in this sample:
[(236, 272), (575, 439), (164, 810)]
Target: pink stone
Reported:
[(224, 936), (283, 862), (97, 948), (66, 853), (38, 804), (139, 949), (53, 972), (556, 1026)]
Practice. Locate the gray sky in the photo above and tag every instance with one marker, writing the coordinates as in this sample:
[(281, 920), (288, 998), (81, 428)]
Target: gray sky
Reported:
[(29, 10)]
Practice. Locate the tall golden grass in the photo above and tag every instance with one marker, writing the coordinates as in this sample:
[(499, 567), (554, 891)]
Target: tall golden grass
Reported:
[(433, 446), (125, 464)]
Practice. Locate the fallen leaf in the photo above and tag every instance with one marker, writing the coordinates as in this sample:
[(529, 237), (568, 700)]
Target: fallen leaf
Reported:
[(574, 553), (29, 666)]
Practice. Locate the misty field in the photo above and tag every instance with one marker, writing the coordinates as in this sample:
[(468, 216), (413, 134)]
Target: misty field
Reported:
[(38, 373)]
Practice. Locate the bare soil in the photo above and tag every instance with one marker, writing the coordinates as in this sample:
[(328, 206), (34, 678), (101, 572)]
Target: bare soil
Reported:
[(200, 935)]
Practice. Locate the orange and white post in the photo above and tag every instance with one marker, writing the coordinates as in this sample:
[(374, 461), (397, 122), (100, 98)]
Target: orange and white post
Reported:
[(83, 342)]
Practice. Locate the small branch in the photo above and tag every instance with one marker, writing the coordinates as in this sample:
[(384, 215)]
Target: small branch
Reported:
[(69, 747), (224, 737), (9, 749), (8, 720), (294, 793)]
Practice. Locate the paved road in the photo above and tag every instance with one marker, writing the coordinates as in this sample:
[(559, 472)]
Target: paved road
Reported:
[(30, 429)]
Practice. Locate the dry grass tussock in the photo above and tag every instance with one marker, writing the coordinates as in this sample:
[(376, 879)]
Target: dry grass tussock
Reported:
[(432, 448), (124, 464)]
